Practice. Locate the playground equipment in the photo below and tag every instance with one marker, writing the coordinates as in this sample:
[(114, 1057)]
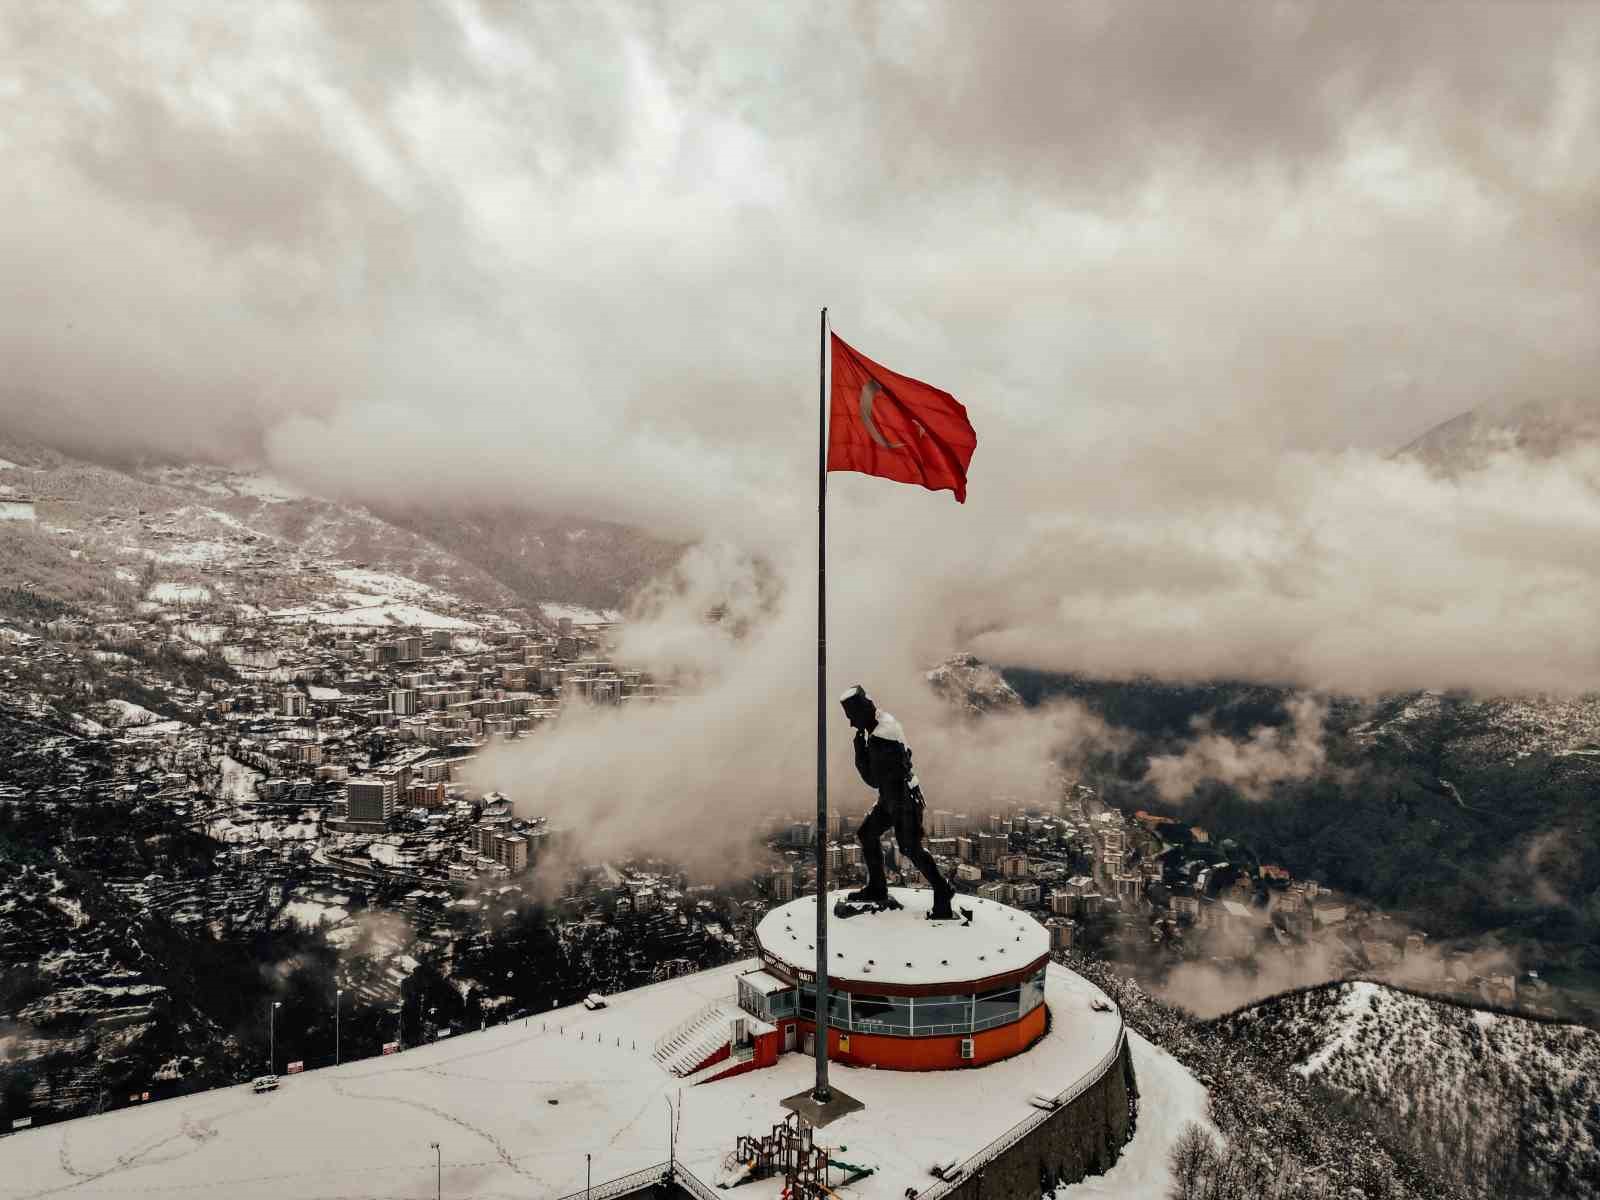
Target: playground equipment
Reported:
[(791, 1148)]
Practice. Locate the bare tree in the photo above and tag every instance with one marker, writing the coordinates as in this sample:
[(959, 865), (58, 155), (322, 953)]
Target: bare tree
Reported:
[(1193, 1159)]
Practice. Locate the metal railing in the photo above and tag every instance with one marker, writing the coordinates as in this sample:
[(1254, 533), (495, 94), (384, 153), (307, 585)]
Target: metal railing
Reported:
[(1027, 1125), (691, 1183), (636, 1181), (684, 1026), (622, 1185)]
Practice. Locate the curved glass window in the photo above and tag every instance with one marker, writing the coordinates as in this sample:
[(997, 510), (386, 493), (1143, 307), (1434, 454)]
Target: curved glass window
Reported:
[(999, 1007), (922, 1016), (1033, 991), (943, 1014), (838, 1006), (880, 1014)]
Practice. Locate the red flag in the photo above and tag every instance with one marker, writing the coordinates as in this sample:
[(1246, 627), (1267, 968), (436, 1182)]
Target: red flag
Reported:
[(889, 425)]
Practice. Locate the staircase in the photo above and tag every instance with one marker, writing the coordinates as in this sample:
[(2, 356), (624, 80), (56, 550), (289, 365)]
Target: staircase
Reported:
[(695, 1042)]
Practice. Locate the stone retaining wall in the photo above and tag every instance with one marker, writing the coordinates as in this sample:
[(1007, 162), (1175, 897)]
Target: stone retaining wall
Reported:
[(1082, 1138)]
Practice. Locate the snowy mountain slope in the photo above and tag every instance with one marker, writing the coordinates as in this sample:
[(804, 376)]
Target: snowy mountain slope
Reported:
[(1485, 729), (1510, 1105), (321, 529), (166, 526), (1466, 441), (968, 682)]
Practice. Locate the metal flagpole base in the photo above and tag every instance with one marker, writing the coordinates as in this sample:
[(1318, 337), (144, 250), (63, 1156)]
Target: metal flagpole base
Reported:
[(817, 1114)]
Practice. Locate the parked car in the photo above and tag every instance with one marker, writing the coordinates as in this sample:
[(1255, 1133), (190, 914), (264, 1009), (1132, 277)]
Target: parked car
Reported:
[(264, 1083), (594, 1000)]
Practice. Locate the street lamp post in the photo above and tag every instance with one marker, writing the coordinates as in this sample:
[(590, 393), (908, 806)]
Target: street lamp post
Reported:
[(272, 1037), (338, 1003), (588, 1174), (438, 1170), (671, 1140)]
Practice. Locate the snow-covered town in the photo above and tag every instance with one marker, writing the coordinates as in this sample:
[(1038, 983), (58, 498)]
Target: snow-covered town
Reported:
[(894, 601), (282, 775)]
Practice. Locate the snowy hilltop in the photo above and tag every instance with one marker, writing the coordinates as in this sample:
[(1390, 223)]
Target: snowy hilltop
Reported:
[(969, 682), (1508, 1105)]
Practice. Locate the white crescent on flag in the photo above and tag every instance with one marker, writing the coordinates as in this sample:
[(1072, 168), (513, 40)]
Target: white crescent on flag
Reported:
[(870, 389)]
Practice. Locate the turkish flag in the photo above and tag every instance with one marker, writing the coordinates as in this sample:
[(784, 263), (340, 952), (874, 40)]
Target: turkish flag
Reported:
[(895, 427)]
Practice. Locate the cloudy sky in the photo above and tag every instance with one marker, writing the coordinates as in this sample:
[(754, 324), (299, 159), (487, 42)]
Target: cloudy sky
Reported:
[(1194, 268)]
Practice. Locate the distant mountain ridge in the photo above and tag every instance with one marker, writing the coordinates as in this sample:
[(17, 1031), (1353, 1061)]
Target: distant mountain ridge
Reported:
[(1505, 1105), (1544, 429), (109, 516)]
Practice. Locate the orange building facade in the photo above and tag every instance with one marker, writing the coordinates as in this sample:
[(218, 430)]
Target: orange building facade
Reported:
[(942, 1018)]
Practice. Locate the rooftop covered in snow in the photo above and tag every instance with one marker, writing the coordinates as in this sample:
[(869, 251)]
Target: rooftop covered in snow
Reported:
[(517, 1108), (902, 947)]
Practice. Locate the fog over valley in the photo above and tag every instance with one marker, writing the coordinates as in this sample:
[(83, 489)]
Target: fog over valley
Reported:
[(409, 598), (575, 262)]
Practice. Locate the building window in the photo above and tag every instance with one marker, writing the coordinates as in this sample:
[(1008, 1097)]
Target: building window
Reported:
[(999, 1007), (880, 1014), (904, 1016), (1033, 992), (943, 1015), (838, 1006), (768, 1007)]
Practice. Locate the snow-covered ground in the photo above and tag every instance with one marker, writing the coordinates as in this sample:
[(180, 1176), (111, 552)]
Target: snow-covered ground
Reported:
[(156, 729), (239, 832), (195, 553), (372, 615), (263, 486), (179, 593), (384, 584), (1169, 1098), (72, 908), (211, 514), (378, 599), (390, 855), (516, 1109), (311, 914), (238, 782), (580, 615), (1344, 1028), (201, 635), (219, 481), (125, 713)]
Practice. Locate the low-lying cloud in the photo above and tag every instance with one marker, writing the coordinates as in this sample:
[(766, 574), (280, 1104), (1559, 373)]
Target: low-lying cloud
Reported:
[(1209, 987), (1194, 269), (699, 775), (1251, 765)]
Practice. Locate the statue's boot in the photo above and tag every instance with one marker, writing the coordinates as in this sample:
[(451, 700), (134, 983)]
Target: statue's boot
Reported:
[(941, 910), (873, 893)]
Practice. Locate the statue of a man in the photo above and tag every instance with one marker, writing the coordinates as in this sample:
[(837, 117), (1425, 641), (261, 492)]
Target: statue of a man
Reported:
[(884, 762)]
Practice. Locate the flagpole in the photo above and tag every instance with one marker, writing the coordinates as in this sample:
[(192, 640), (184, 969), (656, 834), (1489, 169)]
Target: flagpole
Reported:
[(821, 1094)]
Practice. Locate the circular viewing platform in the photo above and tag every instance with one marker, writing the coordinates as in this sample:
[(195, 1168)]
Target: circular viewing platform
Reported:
[(907, 993)]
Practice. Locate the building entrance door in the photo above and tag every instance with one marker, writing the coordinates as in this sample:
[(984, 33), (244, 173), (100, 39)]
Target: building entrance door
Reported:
[(788, 1037)]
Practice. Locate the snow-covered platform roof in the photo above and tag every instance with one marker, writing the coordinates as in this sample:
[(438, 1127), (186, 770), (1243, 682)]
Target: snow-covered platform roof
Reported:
[(516, 1108), (902, 947)]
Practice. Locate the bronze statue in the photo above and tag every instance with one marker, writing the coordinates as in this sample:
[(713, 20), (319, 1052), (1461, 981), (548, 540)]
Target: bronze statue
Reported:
[(884, 762)]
